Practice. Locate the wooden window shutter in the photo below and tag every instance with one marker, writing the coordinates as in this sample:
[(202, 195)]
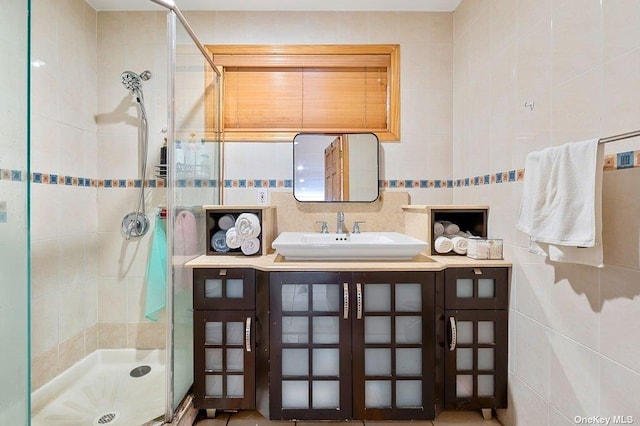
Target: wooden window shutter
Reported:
[(274, 92)]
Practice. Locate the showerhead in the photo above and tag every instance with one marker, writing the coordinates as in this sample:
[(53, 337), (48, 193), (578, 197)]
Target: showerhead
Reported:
[(131, 81)]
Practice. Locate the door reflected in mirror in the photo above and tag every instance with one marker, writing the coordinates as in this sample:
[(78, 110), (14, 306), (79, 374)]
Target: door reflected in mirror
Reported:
[(335, 167)]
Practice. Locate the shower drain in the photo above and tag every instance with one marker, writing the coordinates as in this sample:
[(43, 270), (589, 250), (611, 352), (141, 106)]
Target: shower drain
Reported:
[(105, 419), (140, 371)]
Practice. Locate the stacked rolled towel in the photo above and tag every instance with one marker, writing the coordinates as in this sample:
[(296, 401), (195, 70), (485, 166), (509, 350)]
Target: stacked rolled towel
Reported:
[(247, 226), (438, 228), (233, 242), (250, 246), (459, 244), (443, 244), (226, 222), (450, 228), (219, 242)]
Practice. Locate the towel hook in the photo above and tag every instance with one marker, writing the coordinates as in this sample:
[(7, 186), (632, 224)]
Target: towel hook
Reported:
[(529, 104)]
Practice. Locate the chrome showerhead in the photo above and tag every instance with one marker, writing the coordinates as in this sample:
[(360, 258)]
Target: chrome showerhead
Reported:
[(131, 81)]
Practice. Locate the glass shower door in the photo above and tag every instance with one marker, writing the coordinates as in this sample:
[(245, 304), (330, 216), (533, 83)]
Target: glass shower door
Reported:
[(192, 181), (14, 223)]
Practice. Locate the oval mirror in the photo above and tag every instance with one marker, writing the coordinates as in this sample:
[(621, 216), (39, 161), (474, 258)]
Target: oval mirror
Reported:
[(335, 167)]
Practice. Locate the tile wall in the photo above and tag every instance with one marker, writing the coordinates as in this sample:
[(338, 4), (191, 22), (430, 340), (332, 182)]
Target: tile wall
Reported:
[(528, 75)]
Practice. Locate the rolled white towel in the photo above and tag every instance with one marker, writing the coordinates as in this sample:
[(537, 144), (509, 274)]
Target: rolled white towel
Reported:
[(250, 246), (233, 242), (443, 245), (247, 226), (227, 221), (438, 228), (450, 227), (459, 244)]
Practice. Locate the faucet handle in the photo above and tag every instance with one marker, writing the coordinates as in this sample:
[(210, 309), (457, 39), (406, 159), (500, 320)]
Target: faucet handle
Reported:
[(356, 226), (325, 226)]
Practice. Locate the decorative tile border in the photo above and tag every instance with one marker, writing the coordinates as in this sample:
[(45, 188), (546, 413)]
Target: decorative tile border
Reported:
[(619, 161)]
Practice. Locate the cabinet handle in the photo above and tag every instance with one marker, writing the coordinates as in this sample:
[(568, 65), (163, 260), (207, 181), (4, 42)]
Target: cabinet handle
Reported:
[(247, 334), (454, 337), (222, 273), (477, 271), (359, 300), (345, 300)]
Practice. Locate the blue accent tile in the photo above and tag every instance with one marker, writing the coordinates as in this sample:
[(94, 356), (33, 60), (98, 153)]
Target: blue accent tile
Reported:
[(228, 183), (273, 183), (408, 183), (3, 217), (37, 177), (16, 175), (122, 183), (424, 183), (512, 175), (53, 179), (393, 183), (152, 183), (288, 183), (438, 183), (181, 183), (258, 183), (197, 183), (450, 183), (466, 181), (213, 183), (625, 160), (499, 177), (242, 183), (68, 180), (137, 183), (476, 180), (487, 179), (108, 183)]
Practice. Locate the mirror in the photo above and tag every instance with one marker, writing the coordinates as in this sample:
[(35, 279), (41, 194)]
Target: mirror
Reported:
[(335, 167)]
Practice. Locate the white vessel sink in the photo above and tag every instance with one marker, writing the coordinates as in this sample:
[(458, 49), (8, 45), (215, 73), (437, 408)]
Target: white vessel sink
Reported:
[(363, 246)]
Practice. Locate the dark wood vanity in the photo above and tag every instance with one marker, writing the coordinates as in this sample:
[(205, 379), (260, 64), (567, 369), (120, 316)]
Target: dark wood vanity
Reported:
[(300, 341)]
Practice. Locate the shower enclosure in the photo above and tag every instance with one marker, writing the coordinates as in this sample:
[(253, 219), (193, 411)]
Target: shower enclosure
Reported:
[(14, 223), (90, 268)]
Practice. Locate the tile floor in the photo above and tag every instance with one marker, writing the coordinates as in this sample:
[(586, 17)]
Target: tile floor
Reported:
[(447, 418)]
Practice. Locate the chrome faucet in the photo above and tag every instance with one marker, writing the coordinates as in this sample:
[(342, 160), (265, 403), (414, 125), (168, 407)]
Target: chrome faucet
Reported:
[(340, 227)]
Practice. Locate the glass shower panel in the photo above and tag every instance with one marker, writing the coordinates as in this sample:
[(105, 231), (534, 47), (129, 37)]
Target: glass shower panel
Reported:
[(14, 215), (193, 101)]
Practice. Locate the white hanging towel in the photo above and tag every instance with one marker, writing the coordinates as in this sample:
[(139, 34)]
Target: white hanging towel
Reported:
[(561, 206)]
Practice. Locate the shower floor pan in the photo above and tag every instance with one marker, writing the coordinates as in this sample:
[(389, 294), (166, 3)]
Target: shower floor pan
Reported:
[(109, 387)]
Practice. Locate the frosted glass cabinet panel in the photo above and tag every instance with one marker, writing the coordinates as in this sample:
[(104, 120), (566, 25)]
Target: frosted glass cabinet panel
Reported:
[(351, 345), (224, 289), (477, 338), (224, 362)]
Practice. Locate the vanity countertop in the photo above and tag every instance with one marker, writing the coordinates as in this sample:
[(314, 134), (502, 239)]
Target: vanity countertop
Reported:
[(275, 262)]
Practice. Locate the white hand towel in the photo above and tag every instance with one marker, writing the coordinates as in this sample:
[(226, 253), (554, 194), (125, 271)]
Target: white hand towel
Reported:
[(561, 206), (247, 226), (233, 242), (438, 228), (459, 244), (443, 245), (227, 221), (450, 227), (250, 246)]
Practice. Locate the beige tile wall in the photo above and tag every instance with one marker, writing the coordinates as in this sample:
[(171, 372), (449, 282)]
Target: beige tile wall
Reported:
[(63, 218), (426, 75), (578, 61)]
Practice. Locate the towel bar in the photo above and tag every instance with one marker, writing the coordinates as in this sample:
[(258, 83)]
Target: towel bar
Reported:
[(620, 137)]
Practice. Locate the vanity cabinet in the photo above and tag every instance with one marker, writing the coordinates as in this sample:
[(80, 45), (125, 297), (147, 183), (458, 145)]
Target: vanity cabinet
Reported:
[(475, 316), (345, 345), (224, 340)]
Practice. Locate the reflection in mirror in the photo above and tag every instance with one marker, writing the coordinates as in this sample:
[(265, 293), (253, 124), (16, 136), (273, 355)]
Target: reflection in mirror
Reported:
[(335, 167)]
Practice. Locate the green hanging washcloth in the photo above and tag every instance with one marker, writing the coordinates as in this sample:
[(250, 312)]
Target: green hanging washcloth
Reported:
[(157, 272)]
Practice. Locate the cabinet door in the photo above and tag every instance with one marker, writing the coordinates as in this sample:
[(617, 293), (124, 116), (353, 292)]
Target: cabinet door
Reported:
[(224, 289), (476, 288), (476, 359), (393, 345), (224, 359), (310, 345)]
